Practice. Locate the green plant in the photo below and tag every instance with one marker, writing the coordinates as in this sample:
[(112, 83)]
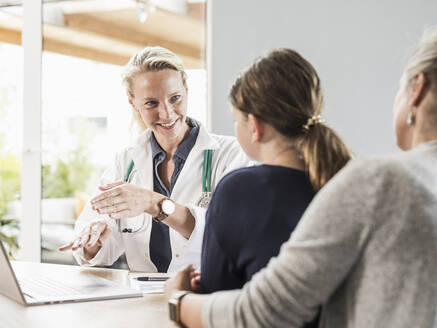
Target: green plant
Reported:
[(10, 180), (68, 175), (10, 188), (9, 230)]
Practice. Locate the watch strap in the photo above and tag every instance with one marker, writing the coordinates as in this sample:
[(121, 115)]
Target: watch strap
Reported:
[(174, 306), (161, 215)]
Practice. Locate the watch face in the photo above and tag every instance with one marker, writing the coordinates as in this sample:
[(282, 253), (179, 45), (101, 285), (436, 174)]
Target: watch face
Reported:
[(168, 206)]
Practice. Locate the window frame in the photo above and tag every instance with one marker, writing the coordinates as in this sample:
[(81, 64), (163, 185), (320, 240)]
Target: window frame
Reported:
[(30, 238)]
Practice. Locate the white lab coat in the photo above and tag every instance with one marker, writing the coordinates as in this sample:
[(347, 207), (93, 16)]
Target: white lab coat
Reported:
[(227, 156)]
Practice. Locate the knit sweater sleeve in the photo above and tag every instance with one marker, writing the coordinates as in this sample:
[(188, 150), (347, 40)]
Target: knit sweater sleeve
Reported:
[(312, 263)]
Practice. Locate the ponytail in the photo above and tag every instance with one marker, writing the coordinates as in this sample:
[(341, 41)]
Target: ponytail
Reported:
[(284, 90), (324, 154)]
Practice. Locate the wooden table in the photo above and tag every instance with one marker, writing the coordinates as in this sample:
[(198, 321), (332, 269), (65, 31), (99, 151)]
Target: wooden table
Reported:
[(148, 311)]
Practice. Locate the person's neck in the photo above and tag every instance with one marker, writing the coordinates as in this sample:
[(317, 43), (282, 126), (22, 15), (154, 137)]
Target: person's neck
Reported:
[(281, 155), (170, 146), (424, 131), (421, 138)]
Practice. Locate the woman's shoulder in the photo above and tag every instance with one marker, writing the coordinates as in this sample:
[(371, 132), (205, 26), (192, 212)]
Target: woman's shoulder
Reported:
[(379, 166), (249, 174), (380, 174), (252, 179), (235, 191), (242, 180)]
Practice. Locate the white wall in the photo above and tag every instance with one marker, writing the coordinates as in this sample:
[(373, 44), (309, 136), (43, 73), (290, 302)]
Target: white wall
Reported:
[(358, 48)]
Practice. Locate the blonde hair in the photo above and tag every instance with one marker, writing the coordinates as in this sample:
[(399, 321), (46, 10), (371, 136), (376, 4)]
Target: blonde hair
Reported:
[(150, 59), (424, 59), (284, 90)]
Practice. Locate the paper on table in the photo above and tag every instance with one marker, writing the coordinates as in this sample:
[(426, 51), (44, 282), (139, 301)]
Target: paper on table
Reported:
[(148, 287)]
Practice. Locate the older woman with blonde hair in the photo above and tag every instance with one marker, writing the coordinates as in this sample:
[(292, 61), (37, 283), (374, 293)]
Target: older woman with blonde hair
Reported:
[(152, 200), (365, 249)]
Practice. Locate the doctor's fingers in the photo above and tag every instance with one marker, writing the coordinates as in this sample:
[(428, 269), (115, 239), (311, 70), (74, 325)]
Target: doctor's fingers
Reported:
[(122, 206), (66, 247), (96, 231), (73, 245), (107, 194), (84, 237), (107, 202), (111, 185), (127, 213), (76, 243), (104, 236)]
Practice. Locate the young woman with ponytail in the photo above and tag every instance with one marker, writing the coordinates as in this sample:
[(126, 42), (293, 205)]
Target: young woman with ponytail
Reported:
[(277, 104)]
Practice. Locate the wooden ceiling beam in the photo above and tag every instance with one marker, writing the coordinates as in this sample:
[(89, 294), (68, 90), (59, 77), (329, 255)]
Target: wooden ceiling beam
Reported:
[(181, 34), (63, 40), (10, 30), (197, 10)]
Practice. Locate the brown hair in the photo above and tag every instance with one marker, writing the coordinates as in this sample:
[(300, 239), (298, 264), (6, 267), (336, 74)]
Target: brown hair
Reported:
[(283, 89)]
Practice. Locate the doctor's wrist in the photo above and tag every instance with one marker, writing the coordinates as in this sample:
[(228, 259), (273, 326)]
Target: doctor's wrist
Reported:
[(90, 252), (166, 208), (154, 206)]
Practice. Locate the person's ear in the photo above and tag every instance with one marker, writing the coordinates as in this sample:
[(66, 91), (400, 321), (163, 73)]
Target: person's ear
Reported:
[(256, 127), (131, 102), (418, 90)]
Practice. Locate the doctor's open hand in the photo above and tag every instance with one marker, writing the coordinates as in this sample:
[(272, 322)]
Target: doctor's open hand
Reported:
[(91, 239), (123, 200)]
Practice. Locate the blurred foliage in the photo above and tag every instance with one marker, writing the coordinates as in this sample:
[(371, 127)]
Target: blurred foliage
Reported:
[(9, 230), (63, 177), (68, 175), (10, 180)]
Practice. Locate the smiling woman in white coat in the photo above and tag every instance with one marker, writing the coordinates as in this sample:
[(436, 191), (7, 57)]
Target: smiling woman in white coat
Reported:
[(152, 200)]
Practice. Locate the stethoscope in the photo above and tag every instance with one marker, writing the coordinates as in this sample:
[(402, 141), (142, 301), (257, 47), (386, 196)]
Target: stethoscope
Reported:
[(206, 188)]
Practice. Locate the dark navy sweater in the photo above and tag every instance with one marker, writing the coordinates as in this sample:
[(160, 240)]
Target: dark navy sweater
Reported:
[(252, 212)]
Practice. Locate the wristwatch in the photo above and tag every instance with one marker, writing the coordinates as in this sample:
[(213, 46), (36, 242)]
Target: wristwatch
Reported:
[(174, 306), (166, 208)]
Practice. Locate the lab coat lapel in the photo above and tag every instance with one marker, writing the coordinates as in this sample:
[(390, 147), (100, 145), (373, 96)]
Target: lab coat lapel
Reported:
[(204, 141), (142, 157)]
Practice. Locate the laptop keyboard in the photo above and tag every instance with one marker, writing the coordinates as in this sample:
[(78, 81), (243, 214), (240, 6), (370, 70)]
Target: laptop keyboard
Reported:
[(45, 287)]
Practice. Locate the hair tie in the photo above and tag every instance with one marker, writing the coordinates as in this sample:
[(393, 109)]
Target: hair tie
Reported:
[(316, 119)]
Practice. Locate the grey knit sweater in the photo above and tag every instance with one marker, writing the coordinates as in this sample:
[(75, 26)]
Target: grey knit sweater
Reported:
[(366, 249)]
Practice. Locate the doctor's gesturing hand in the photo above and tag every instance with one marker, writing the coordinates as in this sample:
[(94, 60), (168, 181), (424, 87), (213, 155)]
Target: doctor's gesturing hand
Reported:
[(118, 200), (123, 200), (91, 239)]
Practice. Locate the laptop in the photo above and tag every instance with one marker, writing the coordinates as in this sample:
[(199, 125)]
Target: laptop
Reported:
[(51, 284)]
